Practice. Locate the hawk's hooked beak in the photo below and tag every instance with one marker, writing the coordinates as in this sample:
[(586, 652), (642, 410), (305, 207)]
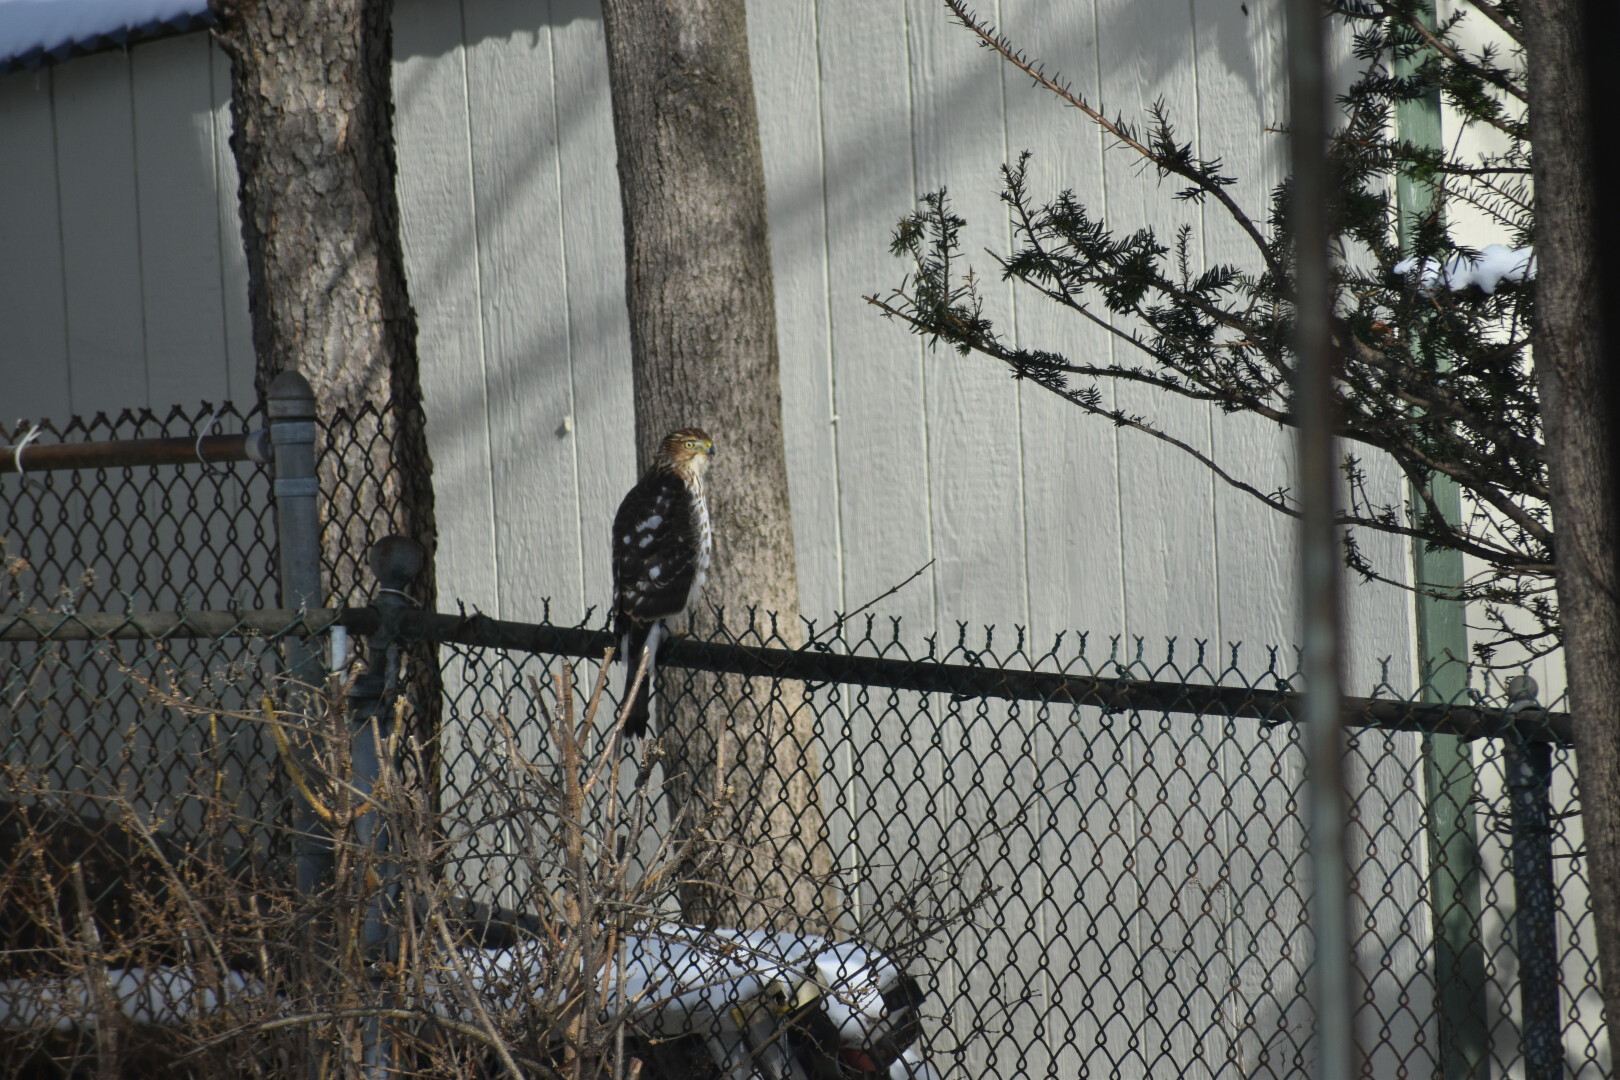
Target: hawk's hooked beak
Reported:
[(709, 449)]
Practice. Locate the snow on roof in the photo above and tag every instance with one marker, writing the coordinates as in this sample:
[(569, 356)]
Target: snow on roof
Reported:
[(36, 32)]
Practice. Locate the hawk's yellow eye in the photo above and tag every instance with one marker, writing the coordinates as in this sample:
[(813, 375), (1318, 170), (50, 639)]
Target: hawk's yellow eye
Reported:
[(690, 444)]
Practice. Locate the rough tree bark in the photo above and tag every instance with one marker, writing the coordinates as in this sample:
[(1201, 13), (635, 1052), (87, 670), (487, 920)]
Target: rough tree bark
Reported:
[(703, 343), (312, 115), (1569, 365)]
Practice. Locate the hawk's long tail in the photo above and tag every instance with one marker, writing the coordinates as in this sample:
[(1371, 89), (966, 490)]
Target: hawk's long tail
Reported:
[(633, 637)]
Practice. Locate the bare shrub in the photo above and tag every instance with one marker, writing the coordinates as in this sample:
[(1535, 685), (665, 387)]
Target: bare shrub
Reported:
[(140, 940)]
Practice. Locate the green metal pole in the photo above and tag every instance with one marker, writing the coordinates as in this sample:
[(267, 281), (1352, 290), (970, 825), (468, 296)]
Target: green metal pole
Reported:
[(1448, 769)]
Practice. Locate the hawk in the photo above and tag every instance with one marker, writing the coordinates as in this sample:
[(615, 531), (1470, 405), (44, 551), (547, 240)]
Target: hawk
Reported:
[(661, 546)]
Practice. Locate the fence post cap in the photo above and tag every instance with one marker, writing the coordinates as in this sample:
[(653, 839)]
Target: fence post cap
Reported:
[(395, 560), (290, 397), (1522, 688)]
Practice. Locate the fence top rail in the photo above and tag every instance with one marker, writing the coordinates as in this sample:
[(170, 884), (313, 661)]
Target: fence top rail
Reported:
[(159, 625), (812, 665), (967, 680), (119, 453)]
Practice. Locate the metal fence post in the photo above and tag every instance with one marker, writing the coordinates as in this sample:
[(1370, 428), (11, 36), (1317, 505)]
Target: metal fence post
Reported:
[(290, 404), (1313, 406), (1535, 931), (395, 561), (1448, 768)]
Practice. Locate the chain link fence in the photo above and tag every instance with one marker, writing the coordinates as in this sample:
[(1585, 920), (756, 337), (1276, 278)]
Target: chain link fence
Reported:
[(1121, 890), (1090, 852), (134, 538)]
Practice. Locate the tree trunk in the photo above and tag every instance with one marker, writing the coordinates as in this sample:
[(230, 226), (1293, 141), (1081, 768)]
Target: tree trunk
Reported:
[(312, 116), (1569, 365), (703, 344)]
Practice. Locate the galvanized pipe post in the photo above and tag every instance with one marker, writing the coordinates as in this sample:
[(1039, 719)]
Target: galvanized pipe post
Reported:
[(395, 562), (1449, 779), (1535, 930), (290, 403), (1314, 410)]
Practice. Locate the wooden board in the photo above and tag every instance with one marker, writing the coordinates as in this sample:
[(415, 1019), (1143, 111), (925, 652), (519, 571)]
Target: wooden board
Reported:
[(517, 218), (604, 455), (878, 369)]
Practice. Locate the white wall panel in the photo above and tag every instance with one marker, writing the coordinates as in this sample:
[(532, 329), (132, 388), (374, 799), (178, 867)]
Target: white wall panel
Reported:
[(878, 369), (602, 444), (517, 217), (182, 293), (33, 311), (1036, 515), (784, 40), (432, 138), (100, 214), (233, 272)]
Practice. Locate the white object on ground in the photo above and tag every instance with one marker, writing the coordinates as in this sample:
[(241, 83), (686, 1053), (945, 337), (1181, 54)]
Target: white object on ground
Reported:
[(910, 1065), (683, 980), (687, 976), (161, 995)]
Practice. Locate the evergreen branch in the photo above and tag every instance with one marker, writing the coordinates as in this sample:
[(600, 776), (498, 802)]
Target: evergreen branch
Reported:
[(1436, 400), (990, 39), (1224, 398), (1439, 380), (1482, 489), (1494, 12), (1449, 538), (1490, 75), (1466, 593)]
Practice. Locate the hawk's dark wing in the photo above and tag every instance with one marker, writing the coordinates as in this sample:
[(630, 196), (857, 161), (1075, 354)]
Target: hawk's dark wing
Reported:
[(655, 549)]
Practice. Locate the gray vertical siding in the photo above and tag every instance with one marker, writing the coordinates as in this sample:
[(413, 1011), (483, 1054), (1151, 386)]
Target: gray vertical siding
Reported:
[(33, 304), (123, 282), (124, 285)]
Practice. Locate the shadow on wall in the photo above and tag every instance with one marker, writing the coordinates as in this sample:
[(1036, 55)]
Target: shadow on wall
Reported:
[(518, 20)]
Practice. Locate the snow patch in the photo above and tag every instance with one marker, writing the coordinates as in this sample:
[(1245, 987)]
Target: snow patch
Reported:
[(679, 977), (1496, 263), (687, 976), (911, 1065), (855, 978)]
